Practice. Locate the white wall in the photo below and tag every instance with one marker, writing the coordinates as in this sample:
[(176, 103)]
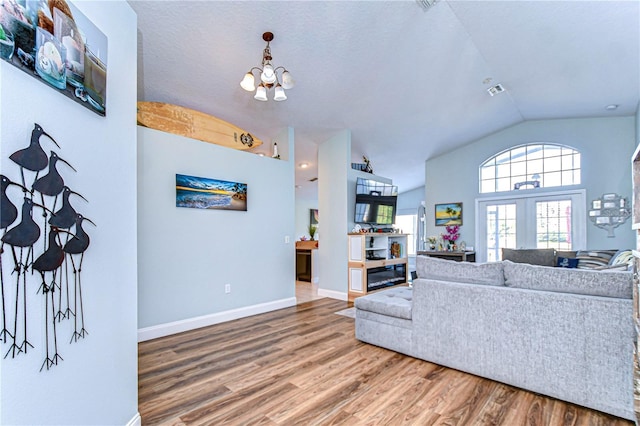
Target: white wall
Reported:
[(606, 145), (187, 255), (334, 159), (96, 383)]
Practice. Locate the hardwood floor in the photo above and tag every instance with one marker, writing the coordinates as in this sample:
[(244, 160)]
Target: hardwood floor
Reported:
[(306, 292), (303, 366)]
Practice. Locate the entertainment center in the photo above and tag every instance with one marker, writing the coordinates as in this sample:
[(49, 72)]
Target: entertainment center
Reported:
[(376, 261)]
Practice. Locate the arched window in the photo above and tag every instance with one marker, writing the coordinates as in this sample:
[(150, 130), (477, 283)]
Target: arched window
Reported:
[(533, 165)]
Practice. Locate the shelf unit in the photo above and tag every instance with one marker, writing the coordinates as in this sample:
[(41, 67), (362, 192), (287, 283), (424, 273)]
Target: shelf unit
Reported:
[(376, 261), (635, 168)]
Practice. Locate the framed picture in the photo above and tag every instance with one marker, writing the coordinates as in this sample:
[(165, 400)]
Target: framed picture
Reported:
[(313, 217), (448, 214), (204, 193), (53, 42)]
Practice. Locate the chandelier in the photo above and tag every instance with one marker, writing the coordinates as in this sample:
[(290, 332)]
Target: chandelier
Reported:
[(268, 77)]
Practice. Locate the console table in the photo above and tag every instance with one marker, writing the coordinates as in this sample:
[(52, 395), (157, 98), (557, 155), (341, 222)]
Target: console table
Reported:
[(458, 256)]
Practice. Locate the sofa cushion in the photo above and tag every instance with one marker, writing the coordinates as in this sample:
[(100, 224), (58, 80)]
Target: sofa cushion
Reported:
[(462, 272), (544, 257), (563, 280), (395, 302)]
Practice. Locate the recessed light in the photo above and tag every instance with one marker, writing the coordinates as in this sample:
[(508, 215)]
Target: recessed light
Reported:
[(611, 107), (304, 165)]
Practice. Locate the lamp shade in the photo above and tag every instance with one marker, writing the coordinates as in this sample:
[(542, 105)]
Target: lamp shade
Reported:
[(261, 93), (248, 82), (268, 74), (287, 80), (279, 94)]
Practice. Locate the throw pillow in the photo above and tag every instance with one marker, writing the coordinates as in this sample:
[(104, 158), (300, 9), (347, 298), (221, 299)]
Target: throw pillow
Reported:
[(565, 262), (544, 257), (562, 280), (461, 272)]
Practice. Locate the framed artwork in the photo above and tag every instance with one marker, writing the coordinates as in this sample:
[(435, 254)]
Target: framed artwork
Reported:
[(313, 217), (204, 193), (448, 214), (58, 46)]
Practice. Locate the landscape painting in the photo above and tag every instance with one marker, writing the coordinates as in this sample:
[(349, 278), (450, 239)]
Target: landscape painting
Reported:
[(448, 214), (204, 193)]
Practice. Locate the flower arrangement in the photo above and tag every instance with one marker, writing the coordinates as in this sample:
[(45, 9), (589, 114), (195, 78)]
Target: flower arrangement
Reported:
[(452, 235), (432, 242)]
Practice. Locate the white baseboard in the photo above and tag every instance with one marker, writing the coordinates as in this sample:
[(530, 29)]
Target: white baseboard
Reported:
[(167, 329), (333, 294), (135, 421)]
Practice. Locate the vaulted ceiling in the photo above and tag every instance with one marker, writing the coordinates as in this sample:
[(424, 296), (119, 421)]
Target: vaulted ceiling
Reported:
[(409, 83)]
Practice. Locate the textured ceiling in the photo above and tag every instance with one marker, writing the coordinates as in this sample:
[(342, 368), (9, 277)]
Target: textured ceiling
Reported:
[(408, 83)]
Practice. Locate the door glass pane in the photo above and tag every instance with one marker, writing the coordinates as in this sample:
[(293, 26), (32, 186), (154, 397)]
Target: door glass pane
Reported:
[(501, 230), (553, 224)]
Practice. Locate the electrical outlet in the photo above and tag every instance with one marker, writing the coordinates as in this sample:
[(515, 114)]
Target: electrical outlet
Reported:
[(286, 239), (227, 288)]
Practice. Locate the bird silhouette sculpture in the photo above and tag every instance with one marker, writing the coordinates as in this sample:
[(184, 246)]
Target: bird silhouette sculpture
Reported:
[(8, 215), (65, 218), (52, 183), (32, 157), (77, 246), (23, 235), (50, 261)]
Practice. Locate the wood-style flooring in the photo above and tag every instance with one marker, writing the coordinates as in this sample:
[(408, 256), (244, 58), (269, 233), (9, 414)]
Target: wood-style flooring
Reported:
[(303, 366)]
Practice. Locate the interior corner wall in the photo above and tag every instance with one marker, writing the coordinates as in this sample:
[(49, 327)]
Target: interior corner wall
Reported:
[(409, 201), (334, 160), (96, 383), (606, 145), (187, 256)]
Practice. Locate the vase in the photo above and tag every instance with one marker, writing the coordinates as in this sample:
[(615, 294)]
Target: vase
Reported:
[(452, 246)]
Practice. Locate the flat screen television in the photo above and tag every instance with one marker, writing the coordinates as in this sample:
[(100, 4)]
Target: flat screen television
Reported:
[(375, 202)]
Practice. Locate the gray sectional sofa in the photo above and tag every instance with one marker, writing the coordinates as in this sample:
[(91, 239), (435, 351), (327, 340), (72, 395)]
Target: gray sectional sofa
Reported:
[(565, 333)]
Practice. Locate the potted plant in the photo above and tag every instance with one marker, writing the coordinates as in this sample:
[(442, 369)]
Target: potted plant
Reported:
[(312, 232)]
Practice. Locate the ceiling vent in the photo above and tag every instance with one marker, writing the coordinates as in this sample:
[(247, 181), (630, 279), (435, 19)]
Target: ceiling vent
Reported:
[(313, 179), (494, 90), (426, 4)]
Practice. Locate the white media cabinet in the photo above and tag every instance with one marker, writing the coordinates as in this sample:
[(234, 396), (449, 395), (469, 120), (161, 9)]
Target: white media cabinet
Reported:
[(373, 263)]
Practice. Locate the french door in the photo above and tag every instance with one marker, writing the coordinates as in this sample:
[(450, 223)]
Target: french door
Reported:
[(550, 220)]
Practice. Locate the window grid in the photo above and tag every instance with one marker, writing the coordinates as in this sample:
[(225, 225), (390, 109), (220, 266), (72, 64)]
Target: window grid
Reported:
[(501, 230), (553, 224), (555, 165)]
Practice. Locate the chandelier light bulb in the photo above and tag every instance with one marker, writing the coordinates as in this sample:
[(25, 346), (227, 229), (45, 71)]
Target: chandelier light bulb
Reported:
[(279, 94), (268, 75), (261, 93), (248, 82), (287, 80)]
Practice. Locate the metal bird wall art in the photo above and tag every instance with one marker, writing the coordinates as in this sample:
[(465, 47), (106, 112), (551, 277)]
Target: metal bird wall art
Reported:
[(46, 271)]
